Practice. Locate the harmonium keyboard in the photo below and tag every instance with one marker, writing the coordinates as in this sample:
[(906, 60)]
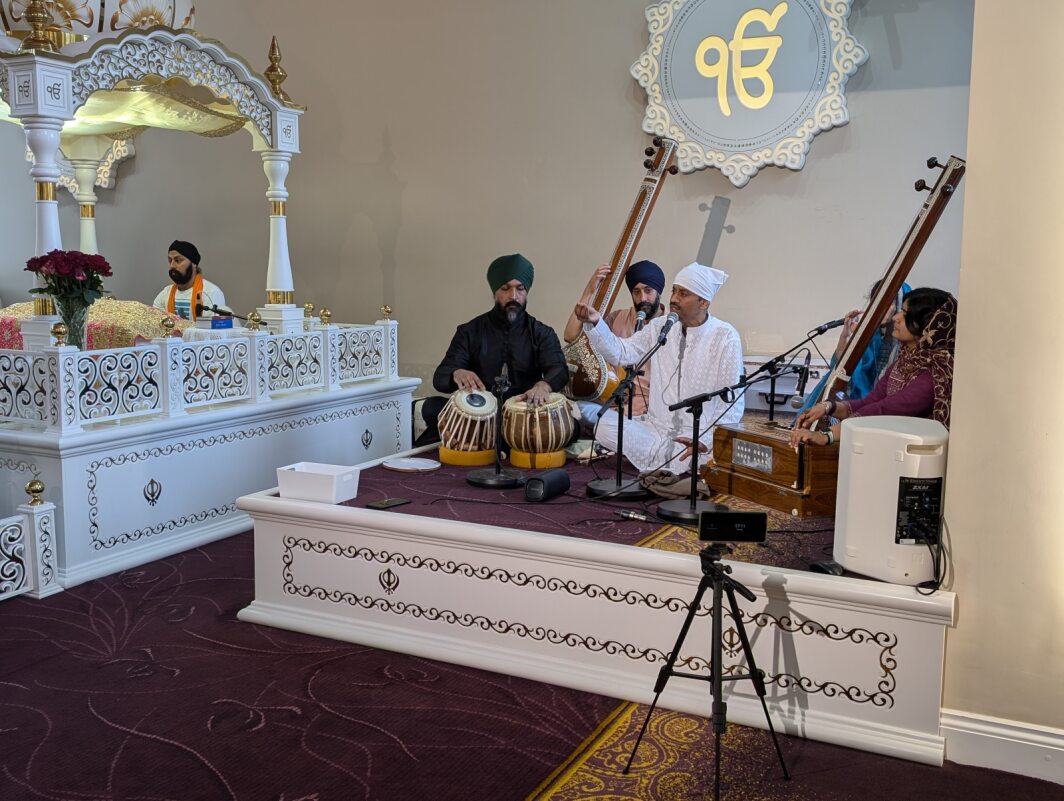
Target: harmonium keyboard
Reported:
[(756, 462)]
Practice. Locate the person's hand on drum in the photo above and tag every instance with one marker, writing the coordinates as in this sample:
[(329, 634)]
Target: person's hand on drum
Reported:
[(467, 380), (689, 450), (538, 394), (586, 313)]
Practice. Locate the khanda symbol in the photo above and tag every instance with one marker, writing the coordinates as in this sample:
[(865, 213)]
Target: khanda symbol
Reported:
[(732, 52)]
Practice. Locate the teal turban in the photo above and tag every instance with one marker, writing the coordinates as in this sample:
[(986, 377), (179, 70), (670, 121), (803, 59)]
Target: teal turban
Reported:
[(506, 268)]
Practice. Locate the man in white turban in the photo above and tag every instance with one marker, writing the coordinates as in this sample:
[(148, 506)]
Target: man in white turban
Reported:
[(701, 354)]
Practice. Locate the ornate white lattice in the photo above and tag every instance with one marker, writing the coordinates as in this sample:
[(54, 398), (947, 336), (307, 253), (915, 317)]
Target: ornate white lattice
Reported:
[(23, 386), (161, 52), (215, 371), (118, 383), (296, 361), (13, 575), (361, 353), (830, 111)]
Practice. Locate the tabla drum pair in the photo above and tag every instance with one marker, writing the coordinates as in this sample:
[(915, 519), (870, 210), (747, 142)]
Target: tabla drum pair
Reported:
[(537, 435)]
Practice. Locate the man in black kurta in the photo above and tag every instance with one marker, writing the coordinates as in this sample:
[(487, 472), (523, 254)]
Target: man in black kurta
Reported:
[(506, 335)]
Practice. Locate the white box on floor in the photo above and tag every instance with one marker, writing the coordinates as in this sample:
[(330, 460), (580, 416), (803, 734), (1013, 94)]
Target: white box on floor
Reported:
[(311, 481)]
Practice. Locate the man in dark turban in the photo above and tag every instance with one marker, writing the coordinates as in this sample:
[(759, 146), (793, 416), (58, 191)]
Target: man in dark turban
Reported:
[(187, 288), (507, 336), (646, 282)]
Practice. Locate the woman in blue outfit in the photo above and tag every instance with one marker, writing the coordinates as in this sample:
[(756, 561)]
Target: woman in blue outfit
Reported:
[(881, 352)]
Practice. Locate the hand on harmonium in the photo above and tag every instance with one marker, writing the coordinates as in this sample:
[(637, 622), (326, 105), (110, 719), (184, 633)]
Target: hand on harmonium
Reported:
[(537, 395), (467, 380), (688, 450)]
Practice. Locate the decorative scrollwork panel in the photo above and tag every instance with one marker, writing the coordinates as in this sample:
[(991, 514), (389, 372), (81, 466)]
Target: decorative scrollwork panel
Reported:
[(295, 361), (361, 353), (13, 576), (23, 386), (119, 383), (215, 371)]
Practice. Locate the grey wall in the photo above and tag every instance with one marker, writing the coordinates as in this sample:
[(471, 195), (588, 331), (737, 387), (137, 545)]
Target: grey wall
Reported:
[(440, 135)]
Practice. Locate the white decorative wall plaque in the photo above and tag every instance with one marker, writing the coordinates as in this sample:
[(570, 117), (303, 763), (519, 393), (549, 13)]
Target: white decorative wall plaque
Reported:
[(741, 84)]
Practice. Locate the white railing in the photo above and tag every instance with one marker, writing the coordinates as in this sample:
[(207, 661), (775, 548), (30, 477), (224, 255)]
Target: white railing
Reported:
[(28, 552), (63, 388)]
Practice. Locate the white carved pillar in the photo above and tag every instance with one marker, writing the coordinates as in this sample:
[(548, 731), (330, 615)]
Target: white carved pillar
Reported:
[(42, 137), (280, 313), (64, 416), (173, 392), (85, 171), (39, 89), (390, 330), (40, 545), (259, 365)]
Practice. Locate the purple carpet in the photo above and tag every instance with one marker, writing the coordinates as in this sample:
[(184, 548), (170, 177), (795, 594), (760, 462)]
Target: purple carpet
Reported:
[(445, 494), (144, 686)]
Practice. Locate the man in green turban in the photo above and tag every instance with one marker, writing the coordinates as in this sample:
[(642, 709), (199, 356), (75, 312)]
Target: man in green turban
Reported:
[(507, 337)]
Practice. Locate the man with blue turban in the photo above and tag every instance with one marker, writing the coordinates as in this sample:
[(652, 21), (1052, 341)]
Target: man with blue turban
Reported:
[(701, 354), (505, 337), (645, 282)]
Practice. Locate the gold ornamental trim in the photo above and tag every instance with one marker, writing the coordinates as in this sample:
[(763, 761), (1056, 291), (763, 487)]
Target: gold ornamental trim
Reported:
[(278, 296), (45, 191), (88, 211), (278, 208), (43, 306)]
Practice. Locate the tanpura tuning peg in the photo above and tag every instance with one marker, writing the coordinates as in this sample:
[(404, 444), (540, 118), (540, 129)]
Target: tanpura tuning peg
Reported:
[(657, 141), (933, 162), (947, 189), (649, 164), (673, 169), (649, 151), (921, 185)]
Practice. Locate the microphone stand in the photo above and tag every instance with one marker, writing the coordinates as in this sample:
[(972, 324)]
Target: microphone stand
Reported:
[(498, 478), (617, 487), (772, 368), (687, 512)]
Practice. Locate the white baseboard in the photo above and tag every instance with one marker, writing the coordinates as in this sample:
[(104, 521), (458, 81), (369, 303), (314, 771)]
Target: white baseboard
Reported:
[(1008, 745)]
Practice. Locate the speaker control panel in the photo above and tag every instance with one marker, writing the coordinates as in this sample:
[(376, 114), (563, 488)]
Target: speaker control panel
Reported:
[(919, 511)]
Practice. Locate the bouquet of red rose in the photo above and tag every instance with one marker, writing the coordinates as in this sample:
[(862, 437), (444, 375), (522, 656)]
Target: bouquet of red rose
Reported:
[(70, 275), (75, 280)]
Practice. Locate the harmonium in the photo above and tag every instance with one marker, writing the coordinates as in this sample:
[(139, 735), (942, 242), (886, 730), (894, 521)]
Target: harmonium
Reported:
[(755, 461)]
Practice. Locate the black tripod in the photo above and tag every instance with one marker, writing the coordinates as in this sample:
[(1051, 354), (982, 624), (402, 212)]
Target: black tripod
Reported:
[(715, 575)]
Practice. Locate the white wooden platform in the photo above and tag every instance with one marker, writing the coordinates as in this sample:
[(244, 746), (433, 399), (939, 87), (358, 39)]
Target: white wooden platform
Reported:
[(849, 661)]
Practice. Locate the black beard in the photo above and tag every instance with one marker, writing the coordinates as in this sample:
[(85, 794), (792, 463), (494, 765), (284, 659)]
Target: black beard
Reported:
[(179, 278), (511, 311), (650, 309)]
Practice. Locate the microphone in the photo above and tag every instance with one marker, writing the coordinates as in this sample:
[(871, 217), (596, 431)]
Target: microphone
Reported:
[(820, 329), (628, 514), (640, 319), (670, 321), (200, 308), (803, 379)]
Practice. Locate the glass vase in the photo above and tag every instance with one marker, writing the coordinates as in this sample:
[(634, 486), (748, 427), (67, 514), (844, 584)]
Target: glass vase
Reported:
[(75, 316)]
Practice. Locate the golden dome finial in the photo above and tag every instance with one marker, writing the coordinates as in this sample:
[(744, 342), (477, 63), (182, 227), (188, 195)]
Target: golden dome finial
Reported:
[(167, 324), (39, 16), (254, 320), (59, 331), (275, 73), (35, 489)]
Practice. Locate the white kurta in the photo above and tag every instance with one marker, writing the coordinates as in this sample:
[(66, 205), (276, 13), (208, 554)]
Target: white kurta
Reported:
[(693, 360)]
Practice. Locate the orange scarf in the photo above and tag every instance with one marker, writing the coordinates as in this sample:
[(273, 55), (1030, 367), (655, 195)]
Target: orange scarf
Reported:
[(197, 294)]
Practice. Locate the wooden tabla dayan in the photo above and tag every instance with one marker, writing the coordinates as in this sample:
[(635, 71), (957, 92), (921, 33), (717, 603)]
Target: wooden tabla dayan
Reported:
[(467, 428), (537, 435)]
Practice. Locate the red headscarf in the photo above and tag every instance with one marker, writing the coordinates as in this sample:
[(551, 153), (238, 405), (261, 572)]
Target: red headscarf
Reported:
[(932, 352)]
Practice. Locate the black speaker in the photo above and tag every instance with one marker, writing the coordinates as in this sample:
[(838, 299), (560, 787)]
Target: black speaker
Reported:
[(546, 485)]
